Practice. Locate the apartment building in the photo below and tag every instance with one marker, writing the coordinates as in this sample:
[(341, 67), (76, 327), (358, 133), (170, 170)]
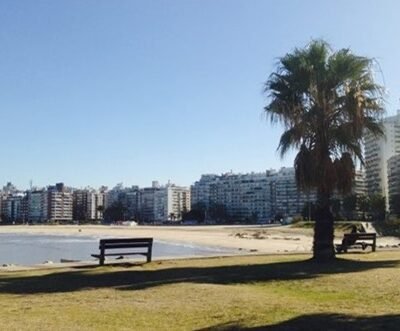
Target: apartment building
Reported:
[(60, 203), (149, 203), (258, 196), (37, 205), (88, 204), (286, 199), (127, 196), (200, 191), (243, 196), (377, 153), (394, 183), (163, 203), (12, 208)]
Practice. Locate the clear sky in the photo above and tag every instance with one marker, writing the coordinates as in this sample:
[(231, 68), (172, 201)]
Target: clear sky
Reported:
[(98, 92)]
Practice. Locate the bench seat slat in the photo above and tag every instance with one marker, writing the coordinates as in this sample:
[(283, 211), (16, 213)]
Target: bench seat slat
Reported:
[(360, 235), (125, 245), (133, 240), (125, 253)]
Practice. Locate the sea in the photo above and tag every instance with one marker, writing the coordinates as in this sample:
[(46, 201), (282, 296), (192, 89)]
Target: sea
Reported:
[(31, 249)]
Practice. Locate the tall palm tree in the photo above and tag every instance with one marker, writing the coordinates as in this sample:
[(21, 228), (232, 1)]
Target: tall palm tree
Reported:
[(326, 101)]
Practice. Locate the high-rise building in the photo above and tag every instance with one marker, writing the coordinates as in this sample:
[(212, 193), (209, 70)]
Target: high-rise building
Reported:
[(147, 203), (394, 183), (128, 197), (12, 207), (287, 200), (88, 204), (200, 191), (241, 196), (257, 196), (163, 203), (60, 202), (37, 205), (377, 153)]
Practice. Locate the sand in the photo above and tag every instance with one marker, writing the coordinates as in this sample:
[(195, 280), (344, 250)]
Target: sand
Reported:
[(239, 239)]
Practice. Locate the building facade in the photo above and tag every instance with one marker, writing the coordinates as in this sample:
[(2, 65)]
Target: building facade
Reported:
[(60, 203), (377, 153), (394, 184), (37, 205), (88, 204)]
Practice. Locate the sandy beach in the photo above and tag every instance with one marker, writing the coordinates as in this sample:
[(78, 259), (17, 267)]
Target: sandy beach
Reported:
[(262, 239), (240, 239), (271, 239)]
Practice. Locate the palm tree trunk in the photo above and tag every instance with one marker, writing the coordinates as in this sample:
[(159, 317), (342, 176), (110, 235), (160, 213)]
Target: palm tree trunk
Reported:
[(323, 248)]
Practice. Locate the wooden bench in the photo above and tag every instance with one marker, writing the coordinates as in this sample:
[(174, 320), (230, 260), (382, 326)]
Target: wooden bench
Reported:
[(125, 246), (357, 240)]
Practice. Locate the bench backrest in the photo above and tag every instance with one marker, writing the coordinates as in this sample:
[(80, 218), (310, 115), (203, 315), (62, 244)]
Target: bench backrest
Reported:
[(364, 236), (125, 243)]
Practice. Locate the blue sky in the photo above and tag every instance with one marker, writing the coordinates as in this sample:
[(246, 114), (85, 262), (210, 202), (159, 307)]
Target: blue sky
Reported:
[(98, 92)]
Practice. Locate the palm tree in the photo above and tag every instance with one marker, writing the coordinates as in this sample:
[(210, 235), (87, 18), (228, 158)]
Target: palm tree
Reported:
[(326, 101)]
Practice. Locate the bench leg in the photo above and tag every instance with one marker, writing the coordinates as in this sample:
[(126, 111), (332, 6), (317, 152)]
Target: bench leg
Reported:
[(101, 260)]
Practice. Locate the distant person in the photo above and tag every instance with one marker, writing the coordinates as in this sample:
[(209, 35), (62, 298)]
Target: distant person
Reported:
[(347, 241)]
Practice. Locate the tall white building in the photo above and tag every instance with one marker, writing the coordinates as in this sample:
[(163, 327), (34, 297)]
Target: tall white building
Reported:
[(377, 153), (200, 191), (164, 203), (287, 199), (60, 203), (241, 196), (258, 196)]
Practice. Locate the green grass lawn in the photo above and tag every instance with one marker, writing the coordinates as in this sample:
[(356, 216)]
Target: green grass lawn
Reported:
[(281, 292)]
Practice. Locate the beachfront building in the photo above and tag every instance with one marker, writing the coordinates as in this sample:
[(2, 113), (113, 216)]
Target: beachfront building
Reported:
[(177, 201), (163, 203), (12, 208), (377, 153), (147, 203), (200, 191), (60, 203), (286, 199), (37, 205), (360, 183), (127, 197), (241, 197), (88, 205), (257, 196), (394, 184)]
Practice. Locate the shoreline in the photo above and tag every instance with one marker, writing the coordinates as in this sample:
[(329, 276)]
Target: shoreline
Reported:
[(241, 240), (263, 239)]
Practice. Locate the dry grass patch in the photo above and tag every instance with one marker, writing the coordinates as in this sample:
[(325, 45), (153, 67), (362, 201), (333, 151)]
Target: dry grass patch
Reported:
[(253, 292)]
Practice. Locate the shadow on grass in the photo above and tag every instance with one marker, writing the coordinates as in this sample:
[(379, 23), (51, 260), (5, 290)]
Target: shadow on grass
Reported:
[(136, 278), (317, 322)]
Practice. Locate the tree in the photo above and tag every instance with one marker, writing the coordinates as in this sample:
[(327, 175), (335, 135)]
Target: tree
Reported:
[(378, 206), (115, 212), (197, 212), (336, 207), (308, 211), (326, 101), (350, 205), (364, 204), (218, 212), (395, 204)]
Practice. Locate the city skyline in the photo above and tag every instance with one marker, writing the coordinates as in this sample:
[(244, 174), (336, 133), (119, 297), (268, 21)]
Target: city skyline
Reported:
[(97, 94)]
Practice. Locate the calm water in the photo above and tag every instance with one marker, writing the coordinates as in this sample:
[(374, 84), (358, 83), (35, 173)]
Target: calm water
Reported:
[(28, 249)]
